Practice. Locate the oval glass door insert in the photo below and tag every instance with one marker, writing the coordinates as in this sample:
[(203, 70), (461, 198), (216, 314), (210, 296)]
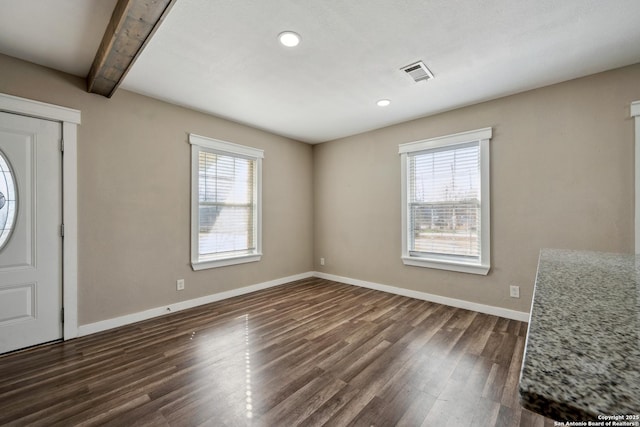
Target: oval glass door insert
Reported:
[(8, 200)]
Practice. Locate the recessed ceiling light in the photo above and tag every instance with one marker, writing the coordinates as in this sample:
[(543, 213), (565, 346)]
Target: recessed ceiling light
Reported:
[(383, 103), (289, 38)]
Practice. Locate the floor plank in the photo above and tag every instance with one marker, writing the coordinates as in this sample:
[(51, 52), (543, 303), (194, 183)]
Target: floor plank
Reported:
[(311, 353)]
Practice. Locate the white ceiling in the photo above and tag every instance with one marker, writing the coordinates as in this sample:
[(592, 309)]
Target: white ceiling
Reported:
[(61, 34), (222, 56)]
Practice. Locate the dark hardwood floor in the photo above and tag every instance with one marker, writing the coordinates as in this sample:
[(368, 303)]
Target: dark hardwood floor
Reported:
[(310, 353)]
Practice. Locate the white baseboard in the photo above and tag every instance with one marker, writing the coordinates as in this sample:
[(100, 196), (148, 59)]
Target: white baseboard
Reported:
[(92, 328), (453, 302)]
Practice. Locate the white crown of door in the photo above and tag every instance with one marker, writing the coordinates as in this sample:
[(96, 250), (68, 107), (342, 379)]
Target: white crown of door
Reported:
[(69, 120)]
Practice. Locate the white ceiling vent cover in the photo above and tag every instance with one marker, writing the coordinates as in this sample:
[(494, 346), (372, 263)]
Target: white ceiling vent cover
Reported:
[(418, 71)]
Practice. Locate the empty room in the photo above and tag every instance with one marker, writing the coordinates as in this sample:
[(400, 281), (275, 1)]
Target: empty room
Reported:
[(297, 213)]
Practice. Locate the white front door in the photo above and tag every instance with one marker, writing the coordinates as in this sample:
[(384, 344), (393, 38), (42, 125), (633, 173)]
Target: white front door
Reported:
[(30, 238)]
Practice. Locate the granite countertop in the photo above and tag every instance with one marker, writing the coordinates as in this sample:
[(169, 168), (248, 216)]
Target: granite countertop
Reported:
[(582, 357)]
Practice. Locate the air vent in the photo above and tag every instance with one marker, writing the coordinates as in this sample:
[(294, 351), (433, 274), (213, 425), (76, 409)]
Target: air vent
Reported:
[(418, 71)]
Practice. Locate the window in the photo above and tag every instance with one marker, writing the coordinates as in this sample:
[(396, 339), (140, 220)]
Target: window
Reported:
[(8, 201), (225, 203), (445, 202)]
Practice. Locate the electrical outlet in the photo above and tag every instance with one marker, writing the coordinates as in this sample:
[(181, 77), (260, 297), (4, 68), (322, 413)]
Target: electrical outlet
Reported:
[(180, 284), (514, 291), (321, 261)]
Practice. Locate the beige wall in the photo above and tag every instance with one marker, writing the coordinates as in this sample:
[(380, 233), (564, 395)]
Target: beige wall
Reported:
[(561, 177), (133, 192)]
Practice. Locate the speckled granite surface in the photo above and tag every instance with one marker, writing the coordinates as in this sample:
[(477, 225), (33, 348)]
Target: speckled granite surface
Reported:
[(582, 357)]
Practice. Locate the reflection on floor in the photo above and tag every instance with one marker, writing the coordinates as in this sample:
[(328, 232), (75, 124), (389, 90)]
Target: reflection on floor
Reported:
[(312, 352)]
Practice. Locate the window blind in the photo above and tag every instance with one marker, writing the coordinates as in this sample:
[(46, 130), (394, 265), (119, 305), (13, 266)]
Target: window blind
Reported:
[(444, 201), (226, 205)]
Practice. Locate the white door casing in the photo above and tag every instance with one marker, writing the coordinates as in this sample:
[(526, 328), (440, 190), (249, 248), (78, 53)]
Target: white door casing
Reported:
[(70, 120), (635, 113), (31, 258)]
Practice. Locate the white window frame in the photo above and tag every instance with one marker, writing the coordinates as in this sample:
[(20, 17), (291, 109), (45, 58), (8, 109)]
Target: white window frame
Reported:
[(635, 113), (443, 262), (202, 143)]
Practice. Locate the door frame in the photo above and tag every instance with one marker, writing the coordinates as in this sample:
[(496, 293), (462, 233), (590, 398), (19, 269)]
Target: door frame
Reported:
[(69, 119), (635, 114)]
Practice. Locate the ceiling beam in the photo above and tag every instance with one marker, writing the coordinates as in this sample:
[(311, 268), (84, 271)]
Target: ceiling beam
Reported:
[(132, 25)]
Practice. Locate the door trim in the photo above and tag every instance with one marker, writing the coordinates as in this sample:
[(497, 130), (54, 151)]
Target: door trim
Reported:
[(635, 114), (69, 119)]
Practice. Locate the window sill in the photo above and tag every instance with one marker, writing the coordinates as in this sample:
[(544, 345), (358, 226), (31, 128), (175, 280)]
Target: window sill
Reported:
[(447, 265), (215, 263)]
